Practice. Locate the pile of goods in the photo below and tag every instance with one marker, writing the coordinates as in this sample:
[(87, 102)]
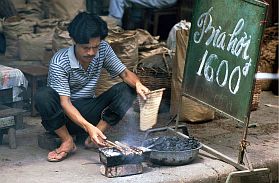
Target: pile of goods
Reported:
[(172, 150), (267, 63), (174, 143), (268, 54)]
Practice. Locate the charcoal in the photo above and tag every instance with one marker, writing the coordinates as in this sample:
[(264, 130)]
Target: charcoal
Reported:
[(174, 143)]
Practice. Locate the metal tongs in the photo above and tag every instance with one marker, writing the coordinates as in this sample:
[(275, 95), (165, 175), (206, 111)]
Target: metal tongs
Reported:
[(123, 148), (109, 143)]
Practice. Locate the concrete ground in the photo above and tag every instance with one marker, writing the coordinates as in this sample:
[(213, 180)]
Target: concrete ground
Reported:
[(27, 163)]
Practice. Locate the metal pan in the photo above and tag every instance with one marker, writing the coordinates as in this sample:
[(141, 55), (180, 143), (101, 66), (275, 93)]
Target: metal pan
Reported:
[(171, 158)]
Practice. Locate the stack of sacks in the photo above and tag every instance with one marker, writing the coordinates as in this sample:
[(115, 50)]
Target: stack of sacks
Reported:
[(190, 111), (29, 36)]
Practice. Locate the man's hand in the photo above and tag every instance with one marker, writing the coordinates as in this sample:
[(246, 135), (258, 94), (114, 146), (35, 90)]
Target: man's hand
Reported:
[(132, 79), (96, 135), (142, 90)]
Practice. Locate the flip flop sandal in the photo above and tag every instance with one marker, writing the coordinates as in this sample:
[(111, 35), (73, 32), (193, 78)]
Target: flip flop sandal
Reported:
[(66, 154)]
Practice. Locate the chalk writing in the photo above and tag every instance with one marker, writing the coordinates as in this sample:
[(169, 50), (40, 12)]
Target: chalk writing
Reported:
[(208, 72), (236, 88), (217, 39), (225, 63), (235, 46)]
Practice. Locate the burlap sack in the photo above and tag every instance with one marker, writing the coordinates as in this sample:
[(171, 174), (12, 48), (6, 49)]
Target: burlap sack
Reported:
[(145, 38), (12, 28), (171, 41), (63, 24), (268, 54), (19, 4), (190, 110), (1, 25), (61, 39), (32, 46), (46, 25), (63, 9), (149, 52), (48, 54), (33, 9), (125, 46), (111, 22)]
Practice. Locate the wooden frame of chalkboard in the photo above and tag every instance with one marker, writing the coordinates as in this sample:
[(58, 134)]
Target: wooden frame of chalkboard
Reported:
[(222, 54)]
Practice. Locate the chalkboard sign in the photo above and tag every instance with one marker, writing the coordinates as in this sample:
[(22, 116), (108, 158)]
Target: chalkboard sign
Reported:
[(223, 53)]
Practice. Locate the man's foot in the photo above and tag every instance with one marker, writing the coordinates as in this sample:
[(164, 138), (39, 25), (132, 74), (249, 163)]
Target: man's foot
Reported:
[(62, 152), (88, 144)]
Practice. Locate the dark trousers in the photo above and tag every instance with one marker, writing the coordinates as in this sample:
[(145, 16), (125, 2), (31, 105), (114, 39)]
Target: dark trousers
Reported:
[(110, 106)]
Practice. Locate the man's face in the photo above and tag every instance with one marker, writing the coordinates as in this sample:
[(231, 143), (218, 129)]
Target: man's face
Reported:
[(86, 52)]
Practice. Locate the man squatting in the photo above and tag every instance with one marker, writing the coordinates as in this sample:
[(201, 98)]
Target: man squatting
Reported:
[(68, 105)]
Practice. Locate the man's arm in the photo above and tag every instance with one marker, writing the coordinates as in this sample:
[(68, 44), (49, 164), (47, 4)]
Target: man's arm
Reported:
[(77, 118), (131, 79)]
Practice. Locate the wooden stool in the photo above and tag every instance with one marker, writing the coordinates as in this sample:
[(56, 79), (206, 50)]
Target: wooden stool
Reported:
[(148, 17), (34, 74), (10, 120), (152, 16)]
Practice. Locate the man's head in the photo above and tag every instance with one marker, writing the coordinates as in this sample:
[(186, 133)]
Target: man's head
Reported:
[(87, 30), (85, 26)]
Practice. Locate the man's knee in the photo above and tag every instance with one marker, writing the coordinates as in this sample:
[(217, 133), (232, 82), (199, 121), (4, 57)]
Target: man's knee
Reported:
[(125, 89), (47, 103)]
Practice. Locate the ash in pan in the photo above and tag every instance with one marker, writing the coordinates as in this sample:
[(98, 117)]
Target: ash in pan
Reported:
[(174, 143)]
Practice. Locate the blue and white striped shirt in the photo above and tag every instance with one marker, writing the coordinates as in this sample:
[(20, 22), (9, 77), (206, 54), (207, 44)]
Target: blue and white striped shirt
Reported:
[(68, 78)]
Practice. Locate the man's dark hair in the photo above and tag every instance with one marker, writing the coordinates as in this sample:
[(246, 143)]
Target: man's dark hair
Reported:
[(85, 26)]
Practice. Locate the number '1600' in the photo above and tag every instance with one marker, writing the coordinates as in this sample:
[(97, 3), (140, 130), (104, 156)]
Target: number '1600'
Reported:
[(209, 72)]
